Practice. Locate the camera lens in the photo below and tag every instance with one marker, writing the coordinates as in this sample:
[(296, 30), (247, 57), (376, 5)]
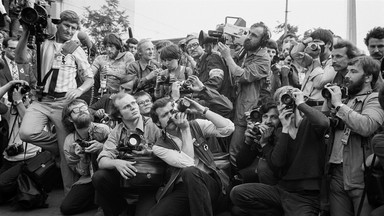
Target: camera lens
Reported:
[(326, 94)]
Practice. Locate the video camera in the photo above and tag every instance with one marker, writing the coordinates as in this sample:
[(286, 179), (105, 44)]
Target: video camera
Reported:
[(37, 20), (327, 95), (23, 90)]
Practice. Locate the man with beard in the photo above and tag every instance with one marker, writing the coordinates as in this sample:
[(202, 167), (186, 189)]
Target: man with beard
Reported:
[(113, 66), (62, 60), (375, 44), (81, 147), (249, 78), (358, 117), (195, 183), (113, 169)]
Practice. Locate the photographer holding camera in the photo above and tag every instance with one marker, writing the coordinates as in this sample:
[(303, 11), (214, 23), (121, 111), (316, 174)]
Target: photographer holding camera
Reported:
[(195, 184), (114, 164), (81, 148), (299, 154), (359, 116), (15, 148), (263, 130), (61, 61)]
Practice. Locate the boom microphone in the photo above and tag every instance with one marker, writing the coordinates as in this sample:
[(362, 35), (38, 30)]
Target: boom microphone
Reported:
[(84, 39)]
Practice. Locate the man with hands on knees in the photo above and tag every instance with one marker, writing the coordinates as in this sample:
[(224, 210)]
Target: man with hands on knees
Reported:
[(81, 147), (113, 167), (355, 120), (299, 155), (195, 183)]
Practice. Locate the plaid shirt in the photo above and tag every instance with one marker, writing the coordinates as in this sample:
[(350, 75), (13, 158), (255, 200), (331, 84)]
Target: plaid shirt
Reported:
[(69, 66)]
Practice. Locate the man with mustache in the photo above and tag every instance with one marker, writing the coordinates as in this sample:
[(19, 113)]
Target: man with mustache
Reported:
[(113, 66), (375, 44), (359, 116), (81, 147), (249, 77)]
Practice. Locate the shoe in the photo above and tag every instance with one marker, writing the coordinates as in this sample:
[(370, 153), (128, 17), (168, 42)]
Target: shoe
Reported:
[(99, 212)]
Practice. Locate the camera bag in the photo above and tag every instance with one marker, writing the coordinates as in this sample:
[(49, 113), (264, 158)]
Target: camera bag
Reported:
[(34, 175), (150, 173)]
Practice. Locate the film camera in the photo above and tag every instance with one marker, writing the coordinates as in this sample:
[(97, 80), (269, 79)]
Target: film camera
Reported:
[(327, 95), (182, 105), (128, 144), (14, 150), (255, 118), (23, 90), (186, 87), (288, 99), (36, 20)]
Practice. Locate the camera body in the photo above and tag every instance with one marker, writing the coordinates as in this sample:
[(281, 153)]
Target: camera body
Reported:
[(288, 99), (257, 133), (36, 19), (128, 144), (23, 90), (82, 143), (14, 150), (186, 87), (327, 95), (182, 105)]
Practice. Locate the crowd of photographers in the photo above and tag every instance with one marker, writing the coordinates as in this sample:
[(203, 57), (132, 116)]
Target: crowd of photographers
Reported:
[(256, 128)]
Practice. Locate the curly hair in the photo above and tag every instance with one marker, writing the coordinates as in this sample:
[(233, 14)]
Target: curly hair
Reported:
[(377, 32)]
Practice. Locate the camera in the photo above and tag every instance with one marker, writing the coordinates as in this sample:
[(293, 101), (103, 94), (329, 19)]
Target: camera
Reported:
[(14, 150), (257, 133), (164, 79), (126, 145), (313, 46), (83, 143), (211, 37), (327, 95), (182, 105), (186, 87), (37, 20), (255, 115), (23, 90), (288, 99)]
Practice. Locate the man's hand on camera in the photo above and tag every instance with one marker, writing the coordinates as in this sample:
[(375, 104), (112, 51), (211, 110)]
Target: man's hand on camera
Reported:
[(195, 107), (153, 74), (73, 93), (94, 147), (335, 94), (299, 96), (197, 85), (286, 118), (145, 150), (125, 168), (224, 50), (266, 131), (100, 113), (22, 82), (180, 120), (16, 95)]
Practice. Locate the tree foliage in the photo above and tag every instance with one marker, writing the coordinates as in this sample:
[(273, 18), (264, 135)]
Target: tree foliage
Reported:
[(108, 19)]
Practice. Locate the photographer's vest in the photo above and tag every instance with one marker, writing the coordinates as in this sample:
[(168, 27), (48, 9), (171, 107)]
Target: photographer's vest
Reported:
[(202, 152)]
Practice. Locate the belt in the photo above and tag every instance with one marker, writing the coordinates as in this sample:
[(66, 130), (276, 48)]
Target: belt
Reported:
[(314, 103), (55, 94)]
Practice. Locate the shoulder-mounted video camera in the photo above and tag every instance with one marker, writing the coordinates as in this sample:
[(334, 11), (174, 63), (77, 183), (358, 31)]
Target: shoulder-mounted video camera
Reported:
[(36, 19), (23, 90)]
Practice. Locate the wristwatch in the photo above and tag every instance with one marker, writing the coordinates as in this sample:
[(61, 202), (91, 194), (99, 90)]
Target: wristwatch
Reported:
[(338, 107)]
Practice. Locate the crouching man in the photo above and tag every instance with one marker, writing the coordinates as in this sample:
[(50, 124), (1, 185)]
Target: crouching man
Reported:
[(195, 183)]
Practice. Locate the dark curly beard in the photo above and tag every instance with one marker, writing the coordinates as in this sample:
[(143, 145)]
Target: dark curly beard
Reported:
[(83, 120), (249, 46)]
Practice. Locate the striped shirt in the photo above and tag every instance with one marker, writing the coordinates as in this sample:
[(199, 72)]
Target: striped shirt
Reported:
[(69, 65)]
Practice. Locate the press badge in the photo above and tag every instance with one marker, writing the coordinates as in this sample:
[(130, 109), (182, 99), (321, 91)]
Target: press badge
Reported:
[(345, 137), (57, 61)]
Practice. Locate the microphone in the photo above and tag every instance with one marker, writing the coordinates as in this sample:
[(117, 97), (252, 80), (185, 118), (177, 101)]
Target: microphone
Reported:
[(84, 39), (3, 108), (130, 32)]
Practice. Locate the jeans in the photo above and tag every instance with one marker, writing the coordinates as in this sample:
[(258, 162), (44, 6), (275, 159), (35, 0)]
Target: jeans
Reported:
[(237, 141), (345, 202), (37, 116), (262, 199), (196, 195), (80, 198), (8, 176)]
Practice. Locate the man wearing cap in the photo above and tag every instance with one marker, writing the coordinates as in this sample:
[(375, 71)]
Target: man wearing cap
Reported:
[(61, 61)]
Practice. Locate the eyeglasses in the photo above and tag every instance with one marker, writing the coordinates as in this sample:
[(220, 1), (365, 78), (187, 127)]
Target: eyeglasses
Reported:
[(192, 46), (78, 109), (141, 103)]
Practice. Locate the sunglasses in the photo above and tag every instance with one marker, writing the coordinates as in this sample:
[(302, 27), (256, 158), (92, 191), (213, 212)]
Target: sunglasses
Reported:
[(78, 109)]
